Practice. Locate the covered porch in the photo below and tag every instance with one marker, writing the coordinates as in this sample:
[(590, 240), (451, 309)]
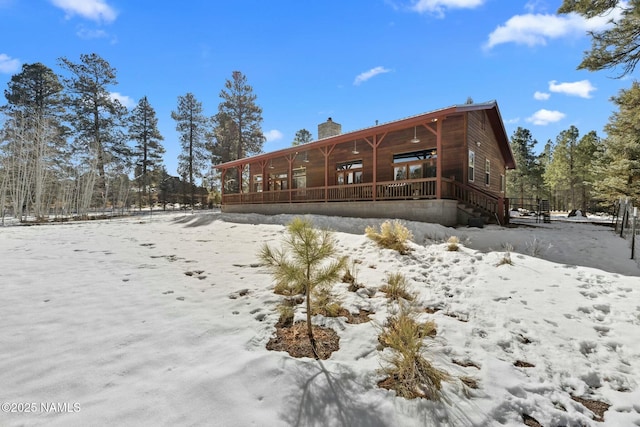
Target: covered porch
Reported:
[(415, 160)]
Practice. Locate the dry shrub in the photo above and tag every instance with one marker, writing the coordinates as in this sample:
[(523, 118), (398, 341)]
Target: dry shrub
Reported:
[(326, 304), (288, 288), (396, 287), (392, 235), (408, 372), (286, 312), (452, 244), (403, 328)]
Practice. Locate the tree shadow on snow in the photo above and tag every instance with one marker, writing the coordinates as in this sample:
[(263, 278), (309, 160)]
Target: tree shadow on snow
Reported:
[(337, 399), (197, 220), (327, 399)]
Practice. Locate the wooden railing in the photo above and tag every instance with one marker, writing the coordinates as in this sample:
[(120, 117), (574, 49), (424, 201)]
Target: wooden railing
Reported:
[(426, 188), (489, 204), (391, 190)]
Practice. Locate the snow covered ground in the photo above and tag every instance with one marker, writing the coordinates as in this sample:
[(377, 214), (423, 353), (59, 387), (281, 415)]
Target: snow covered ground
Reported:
[(163, 320)]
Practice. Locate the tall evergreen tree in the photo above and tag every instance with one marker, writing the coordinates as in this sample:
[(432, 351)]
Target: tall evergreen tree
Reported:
[(302, 136), (242, 116), (191, 124), (522, 180), (584, 168), (619, 45), (35, 136), (618, 167), (97, 118), (148, 151), (560, 174)]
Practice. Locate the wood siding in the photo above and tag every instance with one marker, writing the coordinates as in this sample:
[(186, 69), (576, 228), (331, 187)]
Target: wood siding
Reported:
[(480, 130)]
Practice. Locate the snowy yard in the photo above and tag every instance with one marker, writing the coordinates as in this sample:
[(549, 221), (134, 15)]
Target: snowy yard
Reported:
[(163, 320)]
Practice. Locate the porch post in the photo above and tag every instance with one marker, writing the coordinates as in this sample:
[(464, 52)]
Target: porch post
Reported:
[(439, 159), (501, 210), (224, 172), (374, 190), (326, 175), (240, 169)]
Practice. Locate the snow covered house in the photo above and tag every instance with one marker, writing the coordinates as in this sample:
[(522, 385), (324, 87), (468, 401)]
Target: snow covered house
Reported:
[(443, 166)]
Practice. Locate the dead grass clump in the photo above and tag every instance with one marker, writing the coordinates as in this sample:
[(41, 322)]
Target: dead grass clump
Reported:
[(325, 303), (293, 340), (453, 244), (403, 328), (397, 287), (392, 235), (286, 313), (408, 372), (350, 275), (506, 258), (288, 288)]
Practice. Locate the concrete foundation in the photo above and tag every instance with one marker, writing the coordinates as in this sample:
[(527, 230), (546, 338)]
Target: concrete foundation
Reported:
[(435, 211)]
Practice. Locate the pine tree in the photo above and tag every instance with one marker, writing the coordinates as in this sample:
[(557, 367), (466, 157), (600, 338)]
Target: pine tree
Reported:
[(34, 135), (302, 136), (584, 168), (306, 261), (618, 167), (98, 121), (143, 129), (521, 181), (619, 45), (241, 116), (561, 174), (192, 126)]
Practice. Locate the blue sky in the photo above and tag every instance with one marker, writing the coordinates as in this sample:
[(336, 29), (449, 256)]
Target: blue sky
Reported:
[(356, 61)]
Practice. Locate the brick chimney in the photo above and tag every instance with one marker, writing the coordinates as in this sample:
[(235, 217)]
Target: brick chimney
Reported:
[(329, 128)]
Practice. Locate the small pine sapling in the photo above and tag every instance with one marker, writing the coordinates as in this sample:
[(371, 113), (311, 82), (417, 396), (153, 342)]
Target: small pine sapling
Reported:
[(307, 259)]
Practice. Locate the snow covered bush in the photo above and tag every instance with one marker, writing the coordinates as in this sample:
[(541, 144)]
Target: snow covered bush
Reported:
[(392, 235)]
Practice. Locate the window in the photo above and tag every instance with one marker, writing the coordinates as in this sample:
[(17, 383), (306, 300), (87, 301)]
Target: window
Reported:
[(349, 172), (502, 183), (278, 181), (414, 165), (472, 165), (299, 178), (487, 172), (257, 183)]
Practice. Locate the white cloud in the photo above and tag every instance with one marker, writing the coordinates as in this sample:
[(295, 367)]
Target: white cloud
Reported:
[(95, 10), (8, 64), (544, 117), (123, 99), (541, 96), (583, 88), (88, 34), (536, 29), (273, 135), (438, 7), (363, 77)]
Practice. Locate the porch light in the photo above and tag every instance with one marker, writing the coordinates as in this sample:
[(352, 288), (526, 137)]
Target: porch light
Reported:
[(355, 148), (306, 159), (415, 138), (271, 164)]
